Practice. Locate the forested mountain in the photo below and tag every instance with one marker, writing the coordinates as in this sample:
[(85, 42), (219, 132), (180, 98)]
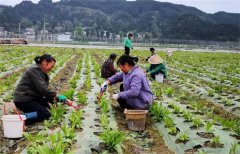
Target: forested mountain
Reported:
[(157, 19)]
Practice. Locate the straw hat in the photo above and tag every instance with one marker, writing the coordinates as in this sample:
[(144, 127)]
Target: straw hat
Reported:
[(155, 59)]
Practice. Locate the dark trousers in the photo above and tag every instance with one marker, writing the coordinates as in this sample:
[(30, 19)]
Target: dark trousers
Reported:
[(41, 106), (122, 102), (127, 50)]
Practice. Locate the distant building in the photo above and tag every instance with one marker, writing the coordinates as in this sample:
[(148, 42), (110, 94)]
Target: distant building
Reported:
[(30, 34), (64, 37)]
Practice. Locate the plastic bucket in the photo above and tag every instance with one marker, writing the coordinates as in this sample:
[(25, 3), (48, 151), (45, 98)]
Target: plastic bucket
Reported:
[(13, 125), (159, 78), (136, 119)]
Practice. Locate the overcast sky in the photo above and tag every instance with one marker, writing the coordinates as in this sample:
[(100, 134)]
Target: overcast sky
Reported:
[(208, 6)]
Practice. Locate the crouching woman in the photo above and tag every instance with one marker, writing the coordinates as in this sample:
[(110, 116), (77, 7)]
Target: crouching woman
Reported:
[(32, 95), (135, 92)]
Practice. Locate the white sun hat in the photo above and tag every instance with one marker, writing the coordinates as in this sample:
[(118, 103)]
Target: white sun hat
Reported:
[(155, 59)]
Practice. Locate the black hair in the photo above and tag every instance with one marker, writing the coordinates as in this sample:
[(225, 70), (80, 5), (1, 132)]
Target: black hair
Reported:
[(112, 56), (130, 34), (127, 59), (152, 49), (47, 57)]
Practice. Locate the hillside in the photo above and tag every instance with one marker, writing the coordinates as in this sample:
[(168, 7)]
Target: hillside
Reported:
[(158, 19)]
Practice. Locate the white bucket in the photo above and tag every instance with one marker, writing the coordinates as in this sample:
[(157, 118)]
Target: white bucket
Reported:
[(13, 125), (159, 78)]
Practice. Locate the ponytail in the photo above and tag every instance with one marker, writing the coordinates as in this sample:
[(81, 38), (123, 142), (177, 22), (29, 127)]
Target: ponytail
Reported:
[(47, 57)]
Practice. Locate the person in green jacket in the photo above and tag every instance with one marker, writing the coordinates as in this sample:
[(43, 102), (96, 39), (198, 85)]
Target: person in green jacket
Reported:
[(156, 66), (127, 43)]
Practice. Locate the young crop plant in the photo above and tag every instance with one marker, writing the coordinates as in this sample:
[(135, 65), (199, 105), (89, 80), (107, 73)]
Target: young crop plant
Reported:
[(227, 101), (234, 148), (68, 133), (104, 121), (168, 122), (209, 127), (73, 84), (218, 89), (158, 112), (197, 122), (69, 94), (82, 98), (183, 137), (113, 139), (88, 84), (57, 112), (75, 119), (104, 105), (169, 91), (158, 92), (172, 130), (177, 109), (187, 116), (216, 140), (211, 92)]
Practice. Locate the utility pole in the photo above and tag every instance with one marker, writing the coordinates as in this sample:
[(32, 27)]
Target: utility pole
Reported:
[(44, 29), (19, 29)]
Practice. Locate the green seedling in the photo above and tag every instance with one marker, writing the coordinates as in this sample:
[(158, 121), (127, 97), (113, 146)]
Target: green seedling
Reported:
[(88, 84), (201, 152), (68, 133), (57, 112), (228, 123), (158, 92), (197, 122), (177, 109), (104, 121), (211, 92), (216, 140), (169, 91), (172, 130), (158, 112), (168, 122), (113, 139), (75, 119), (82, 98), (187, 116), (104, 105), (73, 84), (218, 89), (183, 137), (209, 127), (234, 148), (69, 94)]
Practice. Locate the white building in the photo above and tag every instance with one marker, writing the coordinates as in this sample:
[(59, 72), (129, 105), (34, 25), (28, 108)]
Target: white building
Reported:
[(30, 34), (64, 37)]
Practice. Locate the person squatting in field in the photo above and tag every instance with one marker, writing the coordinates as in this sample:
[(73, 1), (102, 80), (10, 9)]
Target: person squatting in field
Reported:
[(107, 69), (156, 66), (135, 92), (32, 95)]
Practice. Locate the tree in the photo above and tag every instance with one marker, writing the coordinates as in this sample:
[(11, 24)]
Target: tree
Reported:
[(78, 32)]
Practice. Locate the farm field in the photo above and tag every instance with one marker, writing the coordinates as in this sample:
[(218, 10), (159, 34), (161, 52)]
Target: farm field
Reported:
[(196, 110)]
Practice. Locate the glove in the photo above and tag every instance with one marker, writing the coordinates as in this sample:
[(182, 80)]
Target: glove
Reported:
[(115, 96), (62, 98), (104, 86)]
